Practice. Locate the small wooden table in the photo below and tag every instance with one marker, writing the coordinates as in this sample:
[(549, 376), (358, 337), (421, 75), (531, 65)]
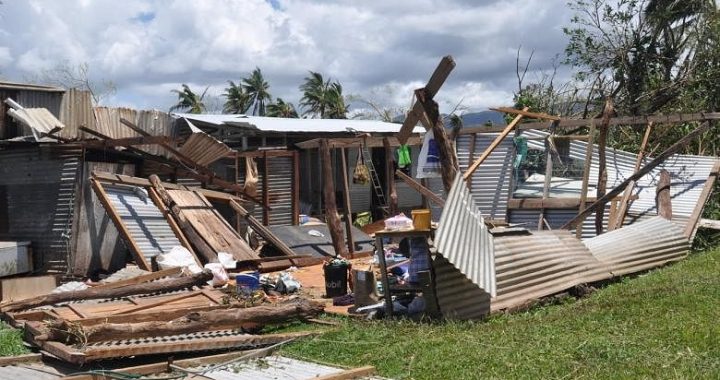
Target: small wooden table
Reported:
[(379, 250)]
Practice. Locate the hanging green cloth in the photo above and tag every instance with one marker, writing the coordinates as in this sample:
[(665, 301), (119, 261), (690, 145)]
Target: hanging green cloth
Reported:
[(404, 156), (521, 150)]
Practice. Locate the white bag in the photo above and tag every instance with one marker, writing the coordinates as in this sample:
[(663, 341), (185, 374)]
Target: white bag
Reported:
[(220, 276), (178, 257), (429, 161)]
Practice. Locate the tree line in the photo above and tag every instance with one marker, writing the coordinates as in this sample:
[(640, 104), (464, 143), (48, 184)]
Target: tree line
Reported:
[(321, 98)]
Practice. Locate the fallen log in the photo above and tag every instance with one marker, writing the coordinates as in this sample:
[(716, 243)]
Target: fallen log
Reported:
[(226, 319), (169, 285)]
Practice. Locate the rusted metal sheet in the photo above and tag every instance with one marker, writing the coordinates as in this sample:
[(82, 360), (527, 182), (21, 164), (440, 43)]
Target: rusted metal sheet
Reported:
[(203, 148), (76, 111), (154, 122), (464, 240), (640, 246)]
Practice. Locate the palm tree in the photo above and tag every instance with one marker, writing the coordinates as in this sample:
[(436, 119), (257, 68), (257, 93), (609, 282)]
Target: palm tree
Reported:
[(281, 109), (188, 100), (322, 98), (257, 88), (238, 100)]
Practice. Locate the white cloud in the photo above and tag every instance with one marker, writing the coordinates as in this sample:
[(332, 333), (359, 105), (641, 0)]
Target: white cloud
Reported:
[(372, 47)]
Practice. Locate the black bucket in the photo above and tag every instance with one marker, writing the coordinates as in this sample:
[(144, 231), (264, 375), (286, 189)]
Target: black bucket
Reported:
[(336, 280)]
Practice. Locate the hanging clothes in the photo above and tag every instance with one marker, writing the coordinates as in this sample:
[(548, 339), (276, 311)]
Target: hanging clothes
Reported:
[(403, 153)]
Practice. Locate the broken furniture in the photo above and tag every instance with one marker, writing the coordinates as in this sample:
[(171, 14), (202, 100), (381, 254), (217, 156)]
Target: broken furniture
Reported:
[(426, 280)]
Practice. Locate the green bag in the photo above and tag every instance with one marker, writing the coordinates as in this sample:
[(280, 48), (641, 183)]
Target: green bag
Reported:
[(404, 159)]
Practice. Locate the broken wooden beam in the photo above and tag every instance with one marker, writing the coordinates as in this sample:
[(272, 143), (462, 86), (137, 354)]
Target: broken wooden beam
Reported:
[(420, 188), (438, 77), (202, 247), (168, 285), (625, 201), (639, 174), (532, 115), (390, 178), (348, 203), (193, 322), (602, 163), (493, 145), (448, 159), (262, 230)]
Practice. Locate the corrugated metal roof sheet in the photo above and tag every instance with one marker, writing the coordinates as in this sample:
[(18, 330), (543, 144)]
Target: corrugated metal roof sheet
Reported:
[(291, 125), (539, 264), (640, 246), (39, 119), (5, 85), (464, 240), (154, 122), (457, 296), (203, 148), (271, 368), (146, 223)]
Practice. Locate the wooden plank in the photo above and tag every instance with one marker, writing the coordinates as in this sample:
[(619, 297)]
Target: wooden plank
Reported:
[(586, 177), (173, 224), (602, 163), (390, 179), (493, 145), (208, 175), (709, 223), (26, 287), (639, 174), (140, 279), (358, 142), (438, 77), (160, 302), (126, 141), (122, 228), (266, 189), (532, 115), (420, 188), (625, 201), (210, 225), (296, 189), (27, 358), (353, 373), (540, 203), (348, 205), (214, 343), (331, 214), (663, 200), (208, 252), (471, 158), (263, 231), (691, 226)]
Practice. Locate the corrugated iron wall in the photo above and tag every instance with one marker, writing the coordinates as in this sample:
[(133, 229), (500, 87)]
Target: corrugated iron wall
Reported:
[(360, 194), (39, 185), (98, 245), (281, 170), (457, 296), (491, 181), (75, 111)]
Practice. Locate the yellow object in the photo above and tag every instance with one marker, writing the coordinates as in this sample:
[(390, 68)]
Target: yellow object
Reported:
[(421, 219)]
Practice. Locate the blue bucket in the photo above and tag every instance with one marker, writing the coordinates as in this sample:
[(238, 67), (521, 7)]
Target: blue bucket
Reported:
[(247, 283)]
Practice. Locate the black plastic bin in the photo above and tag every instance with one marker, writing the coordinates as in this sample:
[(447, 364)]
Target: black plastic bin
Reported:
[(336, 280)]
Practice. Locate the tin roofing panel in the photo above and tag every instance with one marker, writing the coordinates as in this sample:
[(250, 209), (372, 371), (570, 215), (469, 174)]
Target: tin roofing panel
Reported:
[(463, 238)]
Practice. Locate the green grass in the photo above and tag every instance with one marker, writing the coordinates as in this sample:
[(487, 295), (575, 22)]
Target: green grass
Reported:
[(663, 324), (11, 342)]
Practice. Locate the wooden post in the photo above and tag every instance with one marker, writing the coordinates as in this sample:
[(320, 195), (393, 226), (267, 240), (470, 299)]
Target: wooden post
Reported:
[(296, 188), (390, 175), (448, 159), (237, 175), (602, 170), (348, 207), (202, 247), (331, 214), (640, 173), (586, 177), (663, 201), (691, 226), (493, 145), (625, 201), (549, 145), (266, 189)]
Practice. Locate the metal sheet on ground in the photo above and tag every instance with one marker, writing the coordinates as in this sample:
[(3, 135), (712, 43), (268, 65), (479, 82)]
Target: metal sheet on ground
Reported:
[(299, 239)]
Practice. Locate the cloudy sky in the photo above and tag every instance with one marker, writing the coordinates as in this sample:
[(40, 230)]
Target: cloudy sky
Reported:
[(378, 49)]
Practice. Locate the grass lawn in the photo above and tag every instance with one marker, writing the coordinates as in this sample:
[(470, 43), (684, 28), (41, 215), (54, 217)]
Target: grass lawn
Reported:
[(663, 324)]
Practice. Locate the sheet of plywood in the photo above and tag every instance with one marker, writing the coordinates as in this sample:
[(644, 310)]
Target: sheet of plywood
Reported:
[(209, 224), (25, 287)]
